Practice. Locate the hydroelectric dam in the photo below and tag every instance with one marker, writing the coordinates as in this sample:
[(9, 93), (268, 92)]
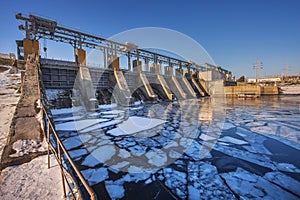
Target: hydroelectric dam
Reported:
[(146, 101)]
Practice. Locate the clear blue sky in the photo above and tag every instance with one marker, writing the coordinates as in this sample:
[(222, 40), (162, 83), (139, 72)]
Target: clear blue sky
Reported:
[(235, 33)]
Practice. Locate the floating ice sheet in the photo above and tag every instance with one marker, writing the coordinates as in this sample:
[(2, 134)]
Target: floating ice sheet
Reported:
[(251, 186), (205, 137), (100, 126), (115, 191), (232, 140), (78, 125), (113, 112), (135, 124), (95, 176), (107, 106), (284, 181), (66, 110), (64, 119)]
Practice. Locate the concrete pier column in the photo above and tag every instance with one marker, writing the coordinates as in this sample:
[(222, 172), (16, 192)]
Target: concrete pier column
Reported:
[(168, 70), (85, 81), (105, 57), (128, 61), (80, 57), (146, 66), (179, 71), (157, 69), (114, 62), (137, 65), (30, 47), (152, 67)]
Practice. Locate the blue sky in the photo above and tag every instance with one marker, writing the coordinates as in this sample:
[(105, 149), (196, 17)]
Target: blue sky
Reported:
[(234, 33)]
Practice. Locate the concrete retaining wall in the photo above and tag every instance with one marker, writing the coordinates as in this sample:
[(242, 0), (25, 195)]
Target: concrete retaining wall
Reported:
[(243, 90), (269, 90)]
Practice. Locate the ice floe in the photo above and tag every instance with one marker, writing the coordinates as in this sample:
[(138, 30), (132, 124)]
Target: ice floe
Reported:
[(115, 191), (157, 158), (287, 167), (64, 119), (225, 126), (135, 124), (284, 181), (205, 137), (78, 125), (124, 153), (176, 181), (204, 180), (100, 126), (113, 112), (90, 161), (232, 140), (95, 176), (72, 142), (107, 106), (66, 110), (248, 185), (119, 166), (104, 153), (78, 153)]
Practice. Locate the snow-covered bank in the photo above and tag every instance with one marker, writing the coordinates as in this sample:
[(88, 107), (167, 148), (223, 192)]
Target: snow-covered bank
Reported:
[(290, 89), (31, 180), (9, 84)]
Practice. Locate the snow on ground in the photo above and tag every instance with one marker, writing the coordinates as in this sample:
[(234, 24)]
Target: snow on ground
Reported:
[(9, 98), (32, 180), (290, 89), (23, 147), (135, 124)]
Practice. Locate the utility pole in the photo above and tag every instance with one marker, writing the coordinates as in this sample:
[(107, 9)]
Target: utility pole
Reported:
[(257, 67)]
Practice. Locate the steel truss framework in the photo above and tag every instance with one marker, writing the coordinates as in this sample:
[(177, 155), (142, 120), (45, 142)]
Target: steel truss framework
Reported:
[(37, 27)]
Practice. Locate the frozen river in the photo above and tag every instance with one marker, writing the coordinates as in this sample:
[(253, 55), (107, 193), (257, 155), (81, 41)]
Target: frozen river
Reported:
[(194, 149)]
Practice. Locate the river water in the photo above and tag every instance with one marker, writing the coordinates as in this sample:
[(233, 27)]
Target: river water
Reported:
[(210, 148)]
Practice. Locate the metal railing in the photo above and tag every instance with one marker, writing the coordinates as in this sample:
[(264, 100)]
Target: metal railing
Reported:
[(60, 148), (58, 155)]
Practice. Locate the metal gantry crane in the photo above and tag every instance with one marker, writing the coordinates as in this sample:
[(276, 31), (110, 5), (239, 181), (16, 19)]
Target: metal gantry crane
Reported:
[(37, 27)]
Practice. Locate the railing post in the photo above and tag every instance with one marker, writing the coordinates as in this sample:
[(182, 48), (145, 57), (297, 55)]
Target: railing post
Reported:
[(48, 142), (61, 168)]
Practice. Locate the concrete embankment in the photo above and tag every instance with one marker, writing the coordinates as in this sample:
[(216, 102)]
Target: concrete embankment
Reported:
[(26, 127)]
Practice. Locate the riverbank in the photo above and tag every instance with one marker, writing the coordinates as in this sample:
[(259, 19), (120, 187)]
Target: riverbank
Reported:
[(290, 89), (32, 180)]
